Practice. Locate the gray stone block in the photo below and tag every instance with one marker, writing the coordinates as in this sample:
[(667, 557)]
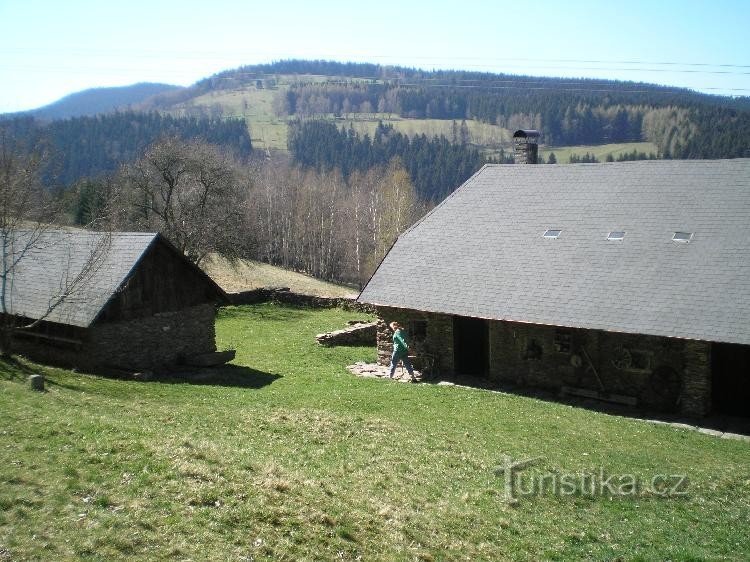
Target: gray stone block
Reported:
[(37, 382)]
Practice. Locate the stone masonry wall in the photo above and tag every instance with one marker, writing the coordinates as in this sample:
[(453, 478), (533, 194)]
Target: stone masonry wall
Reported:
[(438, 340), (140, 344), (661, 373), (696, 394), (284, 295), (360, 333), (664, 374), (161, 339)]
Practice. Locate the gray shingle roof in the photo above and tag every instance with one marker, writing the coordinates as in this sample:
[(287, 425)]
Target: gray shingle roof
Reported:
[(482, 252), (55, 261)]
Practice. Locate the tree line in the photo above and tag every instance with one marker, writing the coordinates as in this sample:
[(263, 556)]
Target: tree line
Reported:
[(90, 146), (205, 201), (435, 166)]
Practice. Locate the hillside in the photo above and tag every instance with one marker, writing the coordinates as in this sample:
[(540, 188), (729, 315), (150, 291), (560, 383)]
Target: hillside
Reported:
[(244, 275), (679, 122), (284, 455), (471, 114), (100, 100)]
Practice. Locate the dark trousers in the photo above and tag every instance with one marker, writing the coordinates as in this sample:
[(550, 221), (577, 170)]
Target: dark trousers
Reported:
[(400, 356)]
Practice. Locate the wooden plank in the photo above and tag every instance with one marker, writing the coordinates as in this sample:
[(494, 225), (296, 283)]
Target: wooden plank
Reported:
[(596, 395)]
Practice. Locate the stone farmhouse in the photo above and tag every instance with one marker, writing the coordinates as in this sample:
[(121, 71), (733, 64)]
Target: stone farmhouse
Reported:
[(129, 301), (623, 281)]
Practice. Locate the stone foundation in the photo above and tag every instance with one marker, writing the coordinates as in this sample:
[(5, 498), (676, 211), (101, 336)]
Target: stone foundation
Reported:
[(659, 374), (140, 344)]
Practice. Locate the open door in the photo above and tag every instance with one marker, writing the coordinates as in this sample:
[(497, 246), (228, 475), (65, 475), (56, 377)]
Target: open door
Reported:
[(470, 346), (730, 379)]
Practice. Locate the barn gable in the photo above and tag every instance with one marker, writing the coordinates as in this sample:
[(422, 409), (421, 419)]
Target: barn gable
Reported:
[(104, 273)]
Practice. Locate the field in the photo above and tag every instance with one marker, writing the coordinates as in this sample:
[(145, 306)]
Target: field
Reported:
[(482, 134), (286, 456), (255, 105), (563, 153), (243, 275), (268, 131)]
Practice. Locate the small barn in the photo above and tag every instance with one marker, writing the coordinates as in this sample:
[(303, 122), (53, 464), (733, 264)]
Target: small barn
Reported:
[(126, 300), (627, 280)]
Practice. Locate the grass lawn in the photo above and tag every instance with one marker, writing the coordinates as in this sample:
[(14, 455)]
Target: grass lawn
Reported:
[(292, 458)]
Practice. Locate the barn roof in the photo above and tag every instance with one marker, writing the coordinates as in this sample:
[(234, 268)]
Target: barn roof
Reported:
[(90, 266), (483, 253)]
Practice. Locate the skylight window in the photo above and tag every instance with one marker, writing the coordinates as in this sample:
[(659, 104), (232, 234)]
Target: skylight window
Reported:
[(684, 237), (552, 233), (616, 235)]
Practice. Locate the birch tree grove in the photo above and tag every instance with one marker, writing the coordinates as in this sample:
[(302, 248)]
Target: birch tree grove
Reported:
[(326, 226)]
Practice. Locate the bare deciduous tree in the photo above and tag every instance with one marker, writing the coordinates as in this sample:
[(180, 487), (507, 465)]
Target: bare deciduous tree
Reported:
[(191, 192), (28, 215), (326, 226)]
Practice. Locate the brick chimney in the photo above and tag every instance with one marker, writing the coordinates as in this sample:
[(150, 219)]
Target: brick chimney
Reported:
[(525, 146)]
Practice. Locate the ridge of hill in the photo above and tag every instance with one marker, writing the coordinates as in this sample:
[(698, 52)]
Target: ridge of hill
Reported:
[(681, 123), (100, 100), (578, 118)]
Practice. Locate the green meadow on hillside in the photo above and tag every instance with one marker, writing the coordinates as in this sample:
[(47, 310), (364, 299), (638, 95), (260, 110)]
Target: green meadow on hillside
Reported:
[(268, 130), (600, 151), (284, 455)]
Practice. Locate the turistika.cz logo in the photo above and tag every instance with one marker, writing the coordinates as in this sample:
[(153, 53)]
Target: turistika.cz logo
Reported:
[(521, 481)]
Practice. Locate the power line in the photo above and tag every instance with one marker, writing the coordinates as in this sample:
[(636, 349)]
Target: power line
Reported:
[(290, 56), (515, 84)]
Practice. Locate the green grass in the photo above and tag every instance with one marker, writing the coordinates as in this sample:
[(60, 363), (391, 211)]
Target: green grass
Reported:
[(482, 134), (288, 457), (563, 153)]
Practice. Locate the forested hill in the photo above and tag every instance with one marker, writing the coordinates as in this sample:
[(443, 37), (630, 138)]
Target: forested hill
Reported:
[(682, 123), (100, 100), (586, 89), (90, 146), (436, 166)]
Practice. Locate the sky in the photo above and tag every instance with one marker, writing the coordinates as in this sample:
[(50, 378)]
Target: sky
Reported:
[(51, 48)]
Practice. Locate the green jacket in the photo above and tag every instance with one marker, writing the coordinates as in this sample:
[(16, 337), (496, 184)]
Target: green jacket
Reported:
[(399, 343)]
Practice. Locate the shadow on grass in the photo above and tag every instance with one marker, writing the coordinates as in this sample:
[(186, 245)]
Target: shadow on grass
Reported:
[(18, 370), (226, 375), (715, 421), (265, 311), (12, 369)]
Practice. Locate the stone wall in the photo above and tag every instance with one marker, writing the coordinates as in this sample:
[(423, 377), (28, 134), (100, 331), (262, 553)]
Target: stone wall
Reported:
[(160, 339), (360, 333), (284, 295), (436, 343), (664, 374), (139, 344), (696, 395), (653, 370)]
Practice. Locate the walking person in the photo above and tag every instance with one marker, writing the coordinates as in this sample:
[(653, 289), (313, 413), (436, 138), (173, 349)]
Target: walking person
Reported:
[(400, 351)]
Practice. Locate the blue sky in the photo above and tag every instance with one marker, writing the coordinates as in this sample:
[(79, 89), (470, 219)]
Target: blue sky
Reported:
[(52, 48)]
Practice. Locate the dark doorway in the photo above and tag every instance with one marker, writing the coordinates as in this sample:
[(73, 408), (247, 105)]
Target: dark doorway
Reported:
[(730, 379), (470, 346)]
